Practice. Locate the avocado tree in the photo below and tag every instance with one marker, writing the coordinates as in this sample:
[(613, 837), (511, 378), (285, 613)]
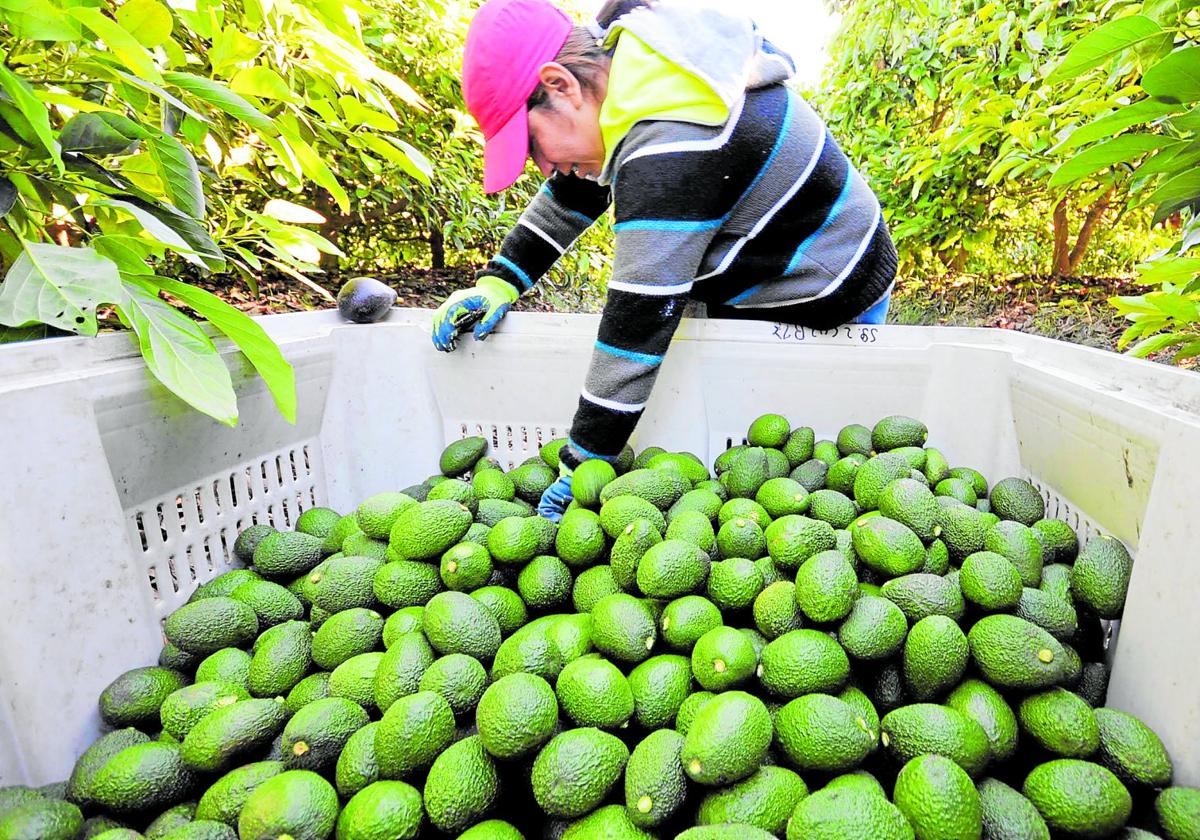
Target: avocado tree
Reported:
[(1149, 145), (143, 140), (943, 104)]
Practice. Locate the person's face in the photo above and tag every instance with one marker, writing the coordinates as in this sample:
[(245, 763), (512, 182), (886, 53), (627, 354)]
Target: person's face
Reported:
[(564, 129)]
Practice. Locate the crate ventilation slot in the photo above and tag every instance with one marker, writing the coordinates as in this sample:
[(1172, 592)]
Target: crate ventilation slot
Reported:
[(509, 443), (186, 537)]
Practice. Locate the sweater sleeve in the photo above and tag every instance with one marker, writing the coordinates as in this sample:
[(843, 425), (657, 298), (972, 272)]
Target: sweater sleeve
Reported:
[(561, 211), (667, 213)]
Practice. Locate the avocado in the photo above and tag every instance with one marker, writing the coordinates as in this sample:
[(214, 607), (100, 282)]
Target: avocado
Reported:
[(727, 740), (576, 770), (987, 707), (919, 728), (801, 662), (1078, 798), (382, 809), (820, 732), (1060, 722), (135, 697), (231, 732), (875, 629), (224, 799), (764, 800), (144, 778), (847, 814), (206, 626), (1100, 576), (1007, 815), (655, 784), (315, 736), (365, 300), (826, 587), (296, 803), (1014, 653), (594, 692), (938, 798), (412, 733), (516, 715), (1018, 500), (935, 657)]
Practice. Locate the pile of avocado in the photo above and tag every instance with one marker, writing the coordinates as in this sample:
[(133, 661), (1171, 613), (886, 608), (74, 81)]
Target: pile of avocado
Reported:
[(830, 640)]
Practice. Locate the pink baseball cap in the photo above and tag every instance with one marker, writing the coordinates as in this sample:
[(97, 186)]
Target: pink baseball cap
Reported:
[(507, 42)]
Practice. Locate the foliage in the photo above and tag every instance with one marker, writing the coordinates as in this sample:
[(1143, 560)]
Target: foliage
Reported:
[(944, 107), (139, 137), (1153, 141), (449, 219)]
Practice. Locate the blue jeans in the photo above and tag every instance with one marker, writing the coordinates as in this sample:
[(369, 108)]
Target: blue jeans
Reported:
[(877, 314)]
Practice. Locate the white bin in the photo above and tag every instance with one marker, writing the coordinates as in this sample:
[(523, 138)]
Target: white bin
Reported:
[(117, 499)]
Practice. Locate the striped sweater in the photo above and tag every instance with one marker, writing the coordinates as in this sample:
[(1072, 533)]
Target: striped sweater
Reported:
[(762, 218)]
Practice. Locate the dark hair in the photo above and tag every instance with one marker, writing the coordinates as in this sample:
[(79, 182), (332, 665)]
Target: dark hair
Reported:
[(582, 54), (614, 9)]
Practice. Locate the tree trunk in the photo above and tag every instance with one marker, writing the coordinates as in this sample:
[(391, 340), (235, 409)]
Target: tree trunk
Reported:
[(437, 248), (1089, 227), (1060, 264), (1067, 258)]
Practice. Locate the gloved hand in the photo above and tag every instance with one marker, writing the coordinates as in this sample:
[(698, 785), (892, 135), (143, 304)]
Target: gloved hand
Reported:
[(557, 496), (486, 303)]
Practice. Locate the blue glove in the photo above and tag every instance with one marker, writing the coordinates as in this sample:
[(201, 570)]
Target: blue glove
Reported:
[(556, 498), (484, 305)]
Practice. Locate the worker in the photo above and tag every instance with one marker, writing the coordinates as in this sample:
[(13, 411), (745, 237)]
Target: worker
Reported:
[(726, 188)]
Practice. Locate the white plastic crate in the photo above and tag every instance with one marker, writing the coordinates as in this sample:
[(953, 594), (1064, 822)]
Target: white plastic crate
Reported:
[(117, 500)]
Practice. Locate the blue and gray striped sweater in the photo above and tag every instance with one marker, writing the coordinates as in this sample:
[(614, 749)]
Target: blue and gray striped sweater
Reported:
[(762, 218)]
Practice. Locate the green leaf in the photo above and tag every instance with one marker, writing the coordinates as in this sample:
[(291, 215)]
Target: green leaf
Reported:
[(31, 109), (1165, 160), (9, 335), (1176, 306), (1187, 122), (358, 114), (1153, 344), (1138, 329), (315, 168), (59, 286), (1176, 78), (1174, 194), (1163, 11), (1137, 113), (128, 252), (100, 133), (179, 354), (248, 335), (400, 153), (221, 97), (1104, 43), (1170, 270), (180, 174), (172, 228), (38, 20), (1188, 351), (159, 92), (149, 21), (1121, 149), (232, 47), (122, 44), (286, 211), (262, 82)]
